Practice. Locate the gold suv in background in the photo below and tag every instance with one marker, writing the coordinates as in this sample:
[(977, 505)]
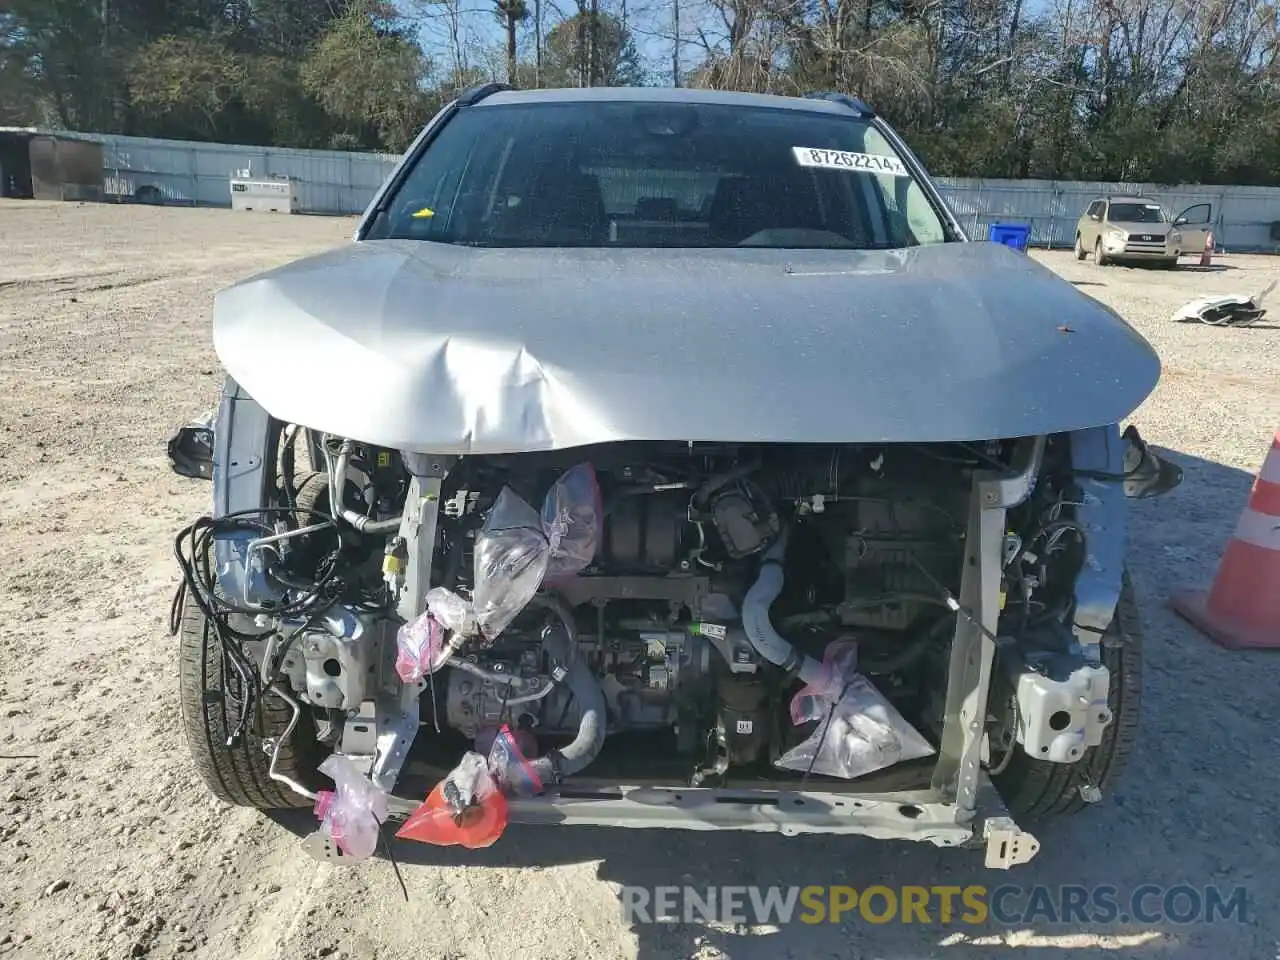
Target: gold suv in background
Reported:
[(1139, 229)]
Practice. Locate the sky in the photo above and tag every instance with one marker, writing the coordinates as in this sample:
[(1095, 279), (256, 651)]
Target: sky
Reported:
[(649, 22)]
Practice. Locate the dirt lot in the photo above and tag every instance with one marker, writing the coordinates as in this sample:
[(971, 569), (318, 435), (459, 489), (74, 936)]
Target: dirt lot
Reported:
[(110, 847)]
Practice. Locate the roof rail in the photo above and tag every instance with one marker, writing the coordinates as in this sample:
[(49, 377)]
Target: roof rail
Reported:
[(473, 95), (853, 103)]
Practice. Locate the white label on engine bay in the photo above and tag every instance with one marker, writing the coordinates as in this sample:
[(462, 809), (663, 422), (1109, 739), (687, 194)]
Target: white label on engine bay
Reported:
[(844, 160), (745, 726), (715, 631)]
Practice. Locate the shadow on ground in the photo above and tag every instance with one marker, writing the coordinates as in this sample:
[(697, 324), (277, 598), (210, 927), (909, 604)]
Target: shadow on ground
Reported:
[(1211, 268), (1191, 810), (1260, 325)]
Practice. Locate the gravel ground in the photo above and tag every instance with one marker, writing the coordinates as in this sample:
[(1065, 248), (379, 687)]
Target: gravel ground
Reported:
[(110, 847)]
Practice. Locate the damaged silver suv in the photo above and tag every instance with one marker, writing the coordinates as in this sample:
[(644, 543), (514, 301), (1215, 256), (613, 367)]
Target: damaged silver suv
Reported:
[(680, 443)]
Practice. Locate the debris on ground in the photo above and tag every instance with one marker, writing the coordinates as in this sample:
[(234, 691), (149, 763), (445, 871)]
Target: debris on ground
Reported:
[(1225, 310)]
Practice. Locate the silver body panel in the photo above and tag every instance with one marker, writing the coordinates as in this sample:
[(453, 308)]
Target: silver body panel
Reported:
[(442, 350), (449, 349)]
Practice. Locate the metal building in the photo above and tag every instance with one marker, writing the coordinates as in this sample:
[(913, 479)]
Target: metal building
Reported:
[(47, 165), (199, 174)]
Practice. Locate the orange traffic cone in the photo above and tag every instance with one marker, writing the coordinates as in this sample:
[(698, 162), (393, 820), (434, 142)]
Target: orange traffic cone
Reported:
[(1206, 255), (1241, 609)]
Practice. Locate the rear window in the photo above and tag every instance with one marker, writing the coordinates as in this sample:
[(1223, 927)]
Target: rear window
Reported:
[(601, 174)]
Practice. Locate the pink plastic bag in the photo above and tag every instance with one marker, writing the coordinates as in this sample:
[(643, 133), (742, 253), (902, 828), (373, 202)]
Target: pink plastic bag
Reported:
[(351, 815), (839, 661), (422, 646)]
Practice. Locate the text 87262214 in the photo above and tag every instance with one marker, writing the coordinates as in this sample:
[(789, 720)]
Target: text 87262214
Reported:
[(845, 160)]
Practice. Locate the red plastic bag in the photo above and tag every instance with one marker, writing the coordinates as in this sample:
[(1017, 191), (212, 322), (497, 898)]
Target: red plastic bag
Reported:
[(464, 809)]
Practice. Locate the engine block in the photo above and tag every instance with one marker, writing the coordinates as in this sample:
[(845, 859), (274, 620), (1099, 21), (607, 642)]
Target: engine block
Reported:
[(647, 676)]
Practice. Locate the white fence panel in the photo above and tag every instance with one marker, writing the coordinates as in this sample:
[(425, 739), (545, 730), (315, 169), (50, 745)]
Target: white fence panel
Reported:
[(333, 182), (326, 181), (1242, 216)]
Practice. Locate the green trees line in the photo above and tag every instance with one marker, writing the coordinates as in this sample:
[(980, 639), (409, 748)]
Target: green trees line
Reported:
[(1167, 90)]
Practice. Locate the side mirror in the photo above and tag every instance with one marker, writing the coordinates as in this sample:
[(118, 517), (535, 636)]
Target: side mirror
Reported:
[(1145, 474), (191, 449), (1181, 221), (1095, 217)]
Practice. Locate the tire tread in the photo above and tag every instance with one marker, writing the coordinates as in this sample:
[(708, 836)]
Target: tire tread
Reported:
[(238, 774)]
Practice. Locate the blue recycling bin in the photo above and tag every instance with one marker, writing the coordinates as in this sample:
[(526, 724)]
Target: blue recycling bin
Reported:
[(1016, 235)]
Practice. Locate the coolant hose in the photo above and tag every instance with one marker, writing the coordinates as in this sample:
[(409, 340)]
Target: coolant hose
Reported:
[(337, 481), (571, 759), (755, 618), (365, 525)]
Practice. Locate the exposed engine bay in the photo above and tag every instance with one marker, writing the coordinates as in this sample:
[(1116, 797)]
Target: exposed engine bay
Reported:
[(725, 587)]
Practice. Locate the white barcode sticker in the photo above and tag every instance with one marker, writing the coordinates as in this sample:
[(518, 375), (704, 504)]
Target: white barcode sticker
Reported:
[(844, 160)]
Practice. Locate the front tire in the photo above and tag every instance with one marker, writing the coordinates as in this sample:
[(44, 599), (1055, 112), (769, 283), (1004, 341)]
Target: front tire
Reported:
[(210, 702), (1098, 256), (1038, 790)]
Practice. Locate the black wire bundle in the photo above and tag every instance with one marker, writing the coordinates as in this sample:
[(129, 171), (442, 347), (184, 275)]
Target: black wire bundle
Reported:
[(311, 597)]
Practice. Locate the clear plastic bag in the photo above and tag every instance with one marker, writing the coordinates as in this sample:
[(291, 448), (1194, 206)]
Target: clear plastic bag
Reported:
[(864, 732), (511, 559), (508, 764), (516, 551), (468, 783), (353, 814), (451, 611), (571, 520)]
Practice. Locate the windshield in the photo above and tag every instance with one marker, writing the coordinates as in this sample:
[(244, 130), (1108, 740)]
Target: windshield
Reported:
[(1137, 213), (611, 174)]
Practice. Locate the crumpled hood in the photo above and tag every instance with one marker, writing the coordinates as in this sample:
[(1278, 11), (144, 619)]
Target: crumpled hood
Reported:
[(449, 349)]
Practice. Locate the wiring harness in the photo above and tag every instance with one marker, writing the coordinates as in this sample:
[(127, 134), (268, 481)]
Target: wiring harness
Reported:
[(306, 596)]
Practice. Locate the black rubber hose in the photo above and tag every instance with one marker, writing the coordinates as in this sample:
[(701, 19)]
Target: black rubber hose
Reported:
[(578, 755), (907, 653), (365, 525)]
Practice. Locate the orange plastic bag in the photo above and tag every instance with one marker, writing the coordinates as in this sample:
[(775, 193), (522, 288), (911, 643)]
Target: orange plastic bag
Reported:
[(464, 809)]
